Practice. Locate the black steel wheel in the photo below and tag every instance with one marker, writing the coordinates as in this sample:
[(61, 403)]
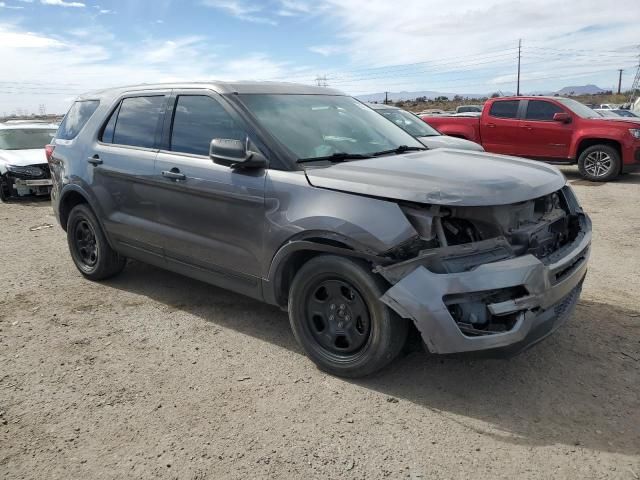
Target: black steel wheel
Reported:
[(337, 316), (338, 319), (89, 248), (5, 192)]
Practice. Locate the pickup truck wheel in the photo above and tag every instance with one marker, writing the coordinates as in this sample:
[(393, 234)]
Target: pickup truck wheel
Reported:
[(599, 163), (89, 248), (338, 319)]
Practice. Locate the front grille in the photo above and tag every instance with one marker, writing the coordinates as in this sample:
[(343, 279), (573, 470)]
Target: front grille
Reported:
[(42, 166)]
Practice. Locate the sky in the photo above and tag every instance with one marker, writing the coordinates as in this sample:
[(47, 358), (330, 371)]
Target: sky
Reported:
[(53, 50)]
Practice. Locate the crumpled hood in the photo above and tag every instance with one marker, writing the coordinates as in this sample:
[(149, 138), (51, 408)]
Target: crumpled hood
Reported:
[(444, 141), (22, 158), (442, 177)]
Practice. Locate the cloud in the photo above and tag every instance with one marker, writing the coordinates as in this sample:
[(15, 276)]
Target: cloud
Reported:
[(326, 50), (241, 10), (62, 3), (10, 7)]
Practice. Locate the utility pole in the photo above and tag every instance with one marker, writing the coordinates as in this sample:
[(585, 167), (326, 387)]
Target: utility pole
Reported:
[(386, 98), (322, 81), (620, 70), (519, 55)]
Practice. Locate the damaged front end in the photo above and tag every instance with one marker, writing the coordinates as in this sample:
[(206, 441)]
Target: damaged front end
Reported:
[(490, 278)]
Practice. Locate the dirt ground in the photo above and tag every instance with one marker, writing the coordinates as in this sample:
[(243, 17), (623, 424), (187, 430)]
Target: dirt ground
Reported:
[(153, 375)]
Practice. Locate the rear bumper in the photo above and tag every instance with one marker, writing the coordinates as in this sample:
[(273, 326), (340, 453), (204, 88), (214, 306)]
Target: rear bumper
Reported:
[(552, 291)]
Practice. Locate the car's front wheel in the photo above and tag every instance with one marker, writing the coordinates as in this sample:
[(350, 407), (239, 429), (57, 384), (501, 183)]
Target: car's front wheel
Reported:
[(89, 248), (599, 163), (5, 191), (338, 319)]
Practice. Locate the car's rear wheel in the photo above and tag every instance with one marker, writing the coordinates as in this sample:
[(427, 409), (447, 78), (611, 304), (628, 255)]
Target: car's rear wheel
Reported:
[(599, 163), (338, 319), (89, 248)]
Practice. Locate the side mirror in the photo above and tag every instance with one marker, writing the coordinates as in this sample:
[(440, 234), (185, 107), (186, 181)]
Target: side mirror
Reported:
[(234, 154), (562, 117)]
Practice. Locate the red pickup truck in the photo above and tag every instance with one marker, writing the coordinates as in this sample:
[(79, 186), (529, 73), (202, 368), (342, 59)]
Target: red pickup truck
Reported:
[(552, 129)]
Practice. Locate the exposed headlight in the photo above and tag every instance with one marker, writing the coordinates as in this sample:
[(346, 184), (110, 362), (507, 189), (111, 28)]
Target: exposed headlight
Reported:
[(635, 132), (30, 171)]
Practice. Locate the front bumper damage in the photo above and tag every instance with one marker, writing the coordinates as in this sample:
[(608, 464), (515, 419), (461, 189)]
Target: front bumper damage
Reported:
[(546, 292)]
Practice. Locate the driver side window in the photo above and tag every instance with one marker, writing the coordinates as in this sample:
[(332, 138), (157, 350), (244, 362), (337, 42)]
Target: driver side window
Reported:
[(197, 120)]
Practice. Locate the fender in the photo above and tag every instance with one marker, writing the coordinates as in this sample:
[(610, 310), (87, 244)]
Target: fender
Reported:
[(90, 200), (592, 136), (311, 242)]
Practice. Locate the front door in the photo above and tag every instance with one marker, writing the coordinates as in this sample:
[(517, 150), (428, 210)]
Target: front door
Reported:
[(543, 137), (211, 216)]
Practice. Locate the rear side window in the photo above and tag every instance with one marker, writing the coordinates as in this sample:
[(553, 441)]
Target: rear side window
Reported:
[(76, 118), (541, 110), (198, 119), (134, 122), (505, 109)]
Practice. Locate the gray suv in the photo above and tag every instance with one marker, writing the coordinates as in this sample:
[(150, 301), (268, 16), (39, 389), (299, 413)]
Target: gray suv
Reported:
[(306, 198)]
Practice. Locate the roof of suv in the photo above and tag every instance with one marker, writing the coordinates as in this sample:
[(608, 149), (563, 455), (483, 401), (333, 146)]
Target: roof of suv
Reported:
[(222, 88)]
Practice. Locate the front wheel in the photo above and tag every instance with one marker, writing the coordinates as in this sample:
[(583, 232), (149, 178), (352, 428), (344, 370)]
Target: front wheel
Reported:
[(599, 163), (89, 248), (5, 192), (338, 319)]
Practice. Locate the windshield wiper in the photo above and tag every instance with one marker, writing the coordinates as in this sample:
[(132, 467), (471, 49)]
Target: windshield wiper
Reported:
[(336, 157), (399, 150)]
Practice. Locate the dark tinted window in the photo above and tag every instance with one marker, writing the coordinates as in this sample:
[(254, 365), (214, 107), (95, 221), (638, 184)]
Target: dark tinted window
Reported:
[(137, 121), (541, 110), (198, 119), (505, 109), (76, 118)]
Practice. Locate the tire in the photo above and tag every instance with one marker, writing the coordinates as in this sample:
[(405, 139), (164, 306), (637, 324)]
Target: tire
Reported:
[(89, 248), (5, 192), (338, 319), (599, 163)]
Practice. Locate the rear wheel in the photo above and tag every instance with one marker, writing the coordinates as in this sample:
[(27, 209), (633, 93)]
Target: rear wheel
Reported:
[(338, 319), (599, 163), (89, 248)]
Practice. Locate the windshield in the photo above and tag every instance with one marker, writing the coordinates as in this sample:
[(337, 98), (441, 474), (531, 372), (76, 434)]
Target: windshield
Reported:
[(25, 138), (408, 122), (578, 108), (319, 126)]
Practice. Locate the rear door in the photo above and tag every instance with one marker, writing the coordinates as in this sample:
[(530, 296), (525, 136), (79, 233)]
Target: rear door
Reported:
[(122, 162), (543, 137), (500, 127), (212, 216)]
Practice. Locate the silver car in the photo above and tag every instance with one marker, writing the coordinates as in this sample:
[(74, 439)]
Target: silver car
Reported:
[(426, 134), (305, 198)]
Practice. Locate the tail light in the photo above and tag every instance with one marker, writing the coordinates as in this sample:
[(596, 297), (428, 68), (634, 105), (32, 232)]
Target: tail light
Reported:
[(48, 150)]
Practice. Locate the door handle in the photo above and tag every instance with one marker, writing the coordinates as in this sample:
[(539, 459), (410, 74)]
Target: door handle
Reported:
[(528, 127), (95, 160), (491, 125), (174, 174)]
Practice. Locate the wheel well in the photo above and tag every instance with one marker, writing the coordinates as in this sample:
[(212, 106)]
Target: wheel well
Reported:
[(69, 201), (293, 262), (590, 142), (456, 135)]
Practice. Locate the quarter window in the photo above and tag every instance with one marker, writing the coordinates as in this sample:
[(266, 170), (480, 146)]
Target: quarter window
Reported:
[(505, 109), (76, 118), (541, 110), (198, 119), (135, 122)]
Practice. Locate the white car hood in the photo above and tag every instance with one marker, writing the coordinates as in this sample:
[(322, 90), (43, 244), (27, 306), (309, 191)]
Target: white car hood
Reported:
[(22, 158)]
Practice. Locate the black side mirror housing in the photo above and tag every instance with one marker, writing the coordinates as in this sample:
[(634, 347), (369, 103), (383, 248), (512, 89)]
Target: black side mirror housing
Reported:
[(234, 154)]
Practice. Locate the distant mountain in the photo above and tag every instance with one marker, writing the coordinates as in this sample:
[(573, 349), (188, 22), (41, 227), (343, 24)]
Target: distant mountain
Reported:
[(397, 96), (580, 90)]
